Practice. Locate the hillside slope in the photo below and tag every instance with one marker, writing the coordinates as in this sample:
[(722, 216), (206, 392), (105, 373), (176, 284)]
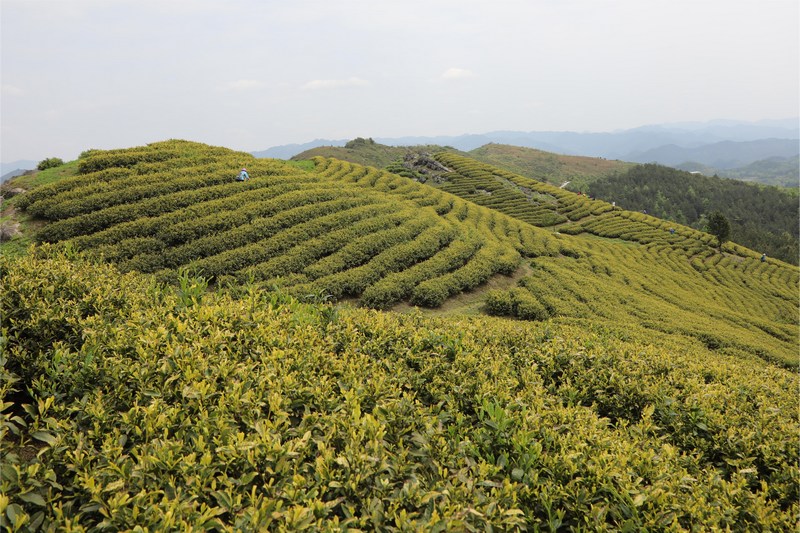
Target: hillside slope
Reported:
[(253, 411), (343, 230), (349, 231), (529, 162), (762, 218), (652, 384), (635, 267), (365, 152)]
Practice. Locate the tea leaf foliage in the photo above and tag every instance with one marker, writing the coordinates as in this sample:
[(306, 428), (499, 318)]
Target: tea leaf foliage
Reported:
[(130, 404)]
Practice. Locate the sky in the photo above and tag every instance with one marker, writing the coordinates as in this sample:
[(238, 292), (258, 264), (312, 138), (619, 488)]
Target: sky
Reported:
[(252, 74)]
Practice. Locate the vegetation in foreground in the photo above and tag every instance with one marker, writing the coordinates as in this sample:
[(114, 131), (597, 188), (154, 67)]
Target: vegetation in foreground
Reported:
[(358, 233), (652, 384), (126, 404)]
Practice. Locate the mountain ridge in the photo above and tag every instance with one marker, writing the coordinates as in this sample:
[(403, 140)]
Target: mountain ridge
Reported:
[(617, 144)]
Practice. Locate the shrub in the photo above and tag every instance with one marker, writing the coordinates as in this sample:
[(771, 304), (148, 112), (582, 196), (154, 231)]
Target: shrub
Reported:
[(50, 162)]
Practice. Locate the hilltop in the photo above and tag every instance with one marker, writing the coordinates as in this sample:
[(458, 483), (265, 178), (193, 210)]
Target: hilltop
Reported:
[(763, 218), (530, 162), (365, 152), (188, 350), (735, 149)]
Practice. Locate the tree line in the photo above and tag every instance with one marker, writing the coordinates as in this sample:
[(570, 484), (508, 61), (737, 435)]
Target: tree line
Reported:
[(762, 218)]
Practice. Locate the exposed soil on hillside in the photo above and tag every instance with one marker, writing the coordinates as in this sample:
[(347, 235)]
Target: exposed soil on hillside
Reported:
[(471, 303)]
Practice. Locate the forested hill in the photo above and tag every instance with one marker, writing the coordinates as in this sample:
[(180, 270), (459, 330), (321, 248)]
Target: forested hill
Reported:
[(763, 218)]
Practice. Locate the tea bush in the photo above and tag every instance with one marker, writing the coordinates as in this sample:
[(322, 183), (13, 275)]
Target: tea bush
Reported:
[(181, 208), (129, 405)]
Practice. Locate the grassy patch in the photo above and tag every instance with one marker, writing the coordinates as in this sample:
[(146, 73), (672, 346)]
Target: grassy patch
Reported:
[(305, 164), (43, 177)]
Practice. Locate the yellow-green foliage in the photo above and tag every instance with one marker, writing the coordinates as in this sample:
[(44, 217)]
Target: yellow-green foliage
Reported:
[(649, 272), (346, 230), (735, 305), (339, 228), (126, 405)]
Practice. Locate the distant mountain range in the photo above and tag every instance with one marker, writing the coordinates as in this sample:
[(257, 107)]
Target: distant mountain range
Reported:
[(15, 168), (717, 145), (723, 155)]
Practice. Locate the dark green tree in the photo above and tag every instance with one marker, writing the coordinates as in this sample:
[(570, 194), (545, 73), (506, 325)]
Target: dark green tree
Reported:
[(719, 227), (50, 162)]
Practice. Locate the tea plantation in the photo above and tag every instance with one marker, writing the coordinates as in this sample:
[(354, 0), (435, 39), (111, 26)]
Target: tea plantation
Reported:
[(173, 356)]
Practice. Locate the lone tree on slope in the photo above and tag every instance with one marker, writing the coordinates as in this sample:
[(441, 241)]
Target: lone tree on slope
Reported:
[(719, 227)]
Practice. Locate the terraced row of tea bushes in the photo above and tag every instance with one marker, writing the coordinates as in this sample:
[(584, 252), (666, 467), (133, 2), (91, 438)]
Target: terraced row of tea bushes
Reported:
[(100, 160), (93, 202), (91, 192), (124, 405), (230, 251), (398, 286), (526, 239), (105, 218), (615, 225), (362, 249), (77, 202), (348, 247), (488, 261), (99, 180), (284, 226), (354, 281), (181, 225), (476, 183), (586, 215), (517, 302), (158, 152), (655, 285), (547, 205)]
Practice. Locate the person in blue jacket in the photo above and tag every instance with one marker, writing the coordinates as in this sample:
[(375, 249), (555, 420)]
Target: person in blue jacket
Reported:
[(243, 175)]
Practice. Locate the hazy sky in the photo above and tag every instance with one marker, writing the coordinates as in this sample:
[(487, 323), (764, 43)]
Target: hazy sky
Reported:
[(250, 74)]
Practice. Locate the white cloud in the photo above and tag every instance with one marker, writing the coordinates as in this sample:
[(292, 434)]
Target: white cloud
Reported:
[(454, 73), (333, 84), (244, 85), (12, 90)]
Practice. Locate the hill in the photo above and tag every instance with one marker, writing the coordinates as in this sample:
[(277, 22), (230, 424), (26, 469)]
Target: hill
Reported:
[(349, 231), (365, 152), (649, 383), (287, 151), (537, 164), (723, 155), (777, 171), (620, 144), (547, 166), (14, 169), (761, 217)]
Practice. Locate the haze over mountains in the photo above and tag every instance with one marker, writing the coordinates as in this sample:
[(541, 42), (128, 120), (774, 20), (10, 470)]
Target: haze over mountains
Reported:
[(15, 168), (715, 145)]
